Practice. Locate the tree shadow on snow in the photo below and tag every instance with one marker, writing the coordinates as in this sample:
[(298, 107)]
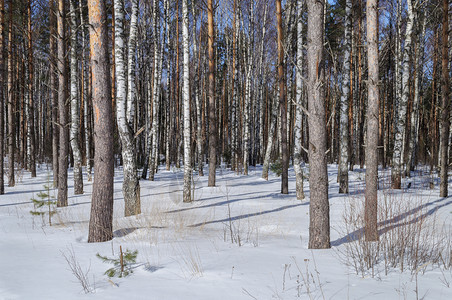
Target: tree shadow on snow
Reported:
[(250, 215), (394, 222)]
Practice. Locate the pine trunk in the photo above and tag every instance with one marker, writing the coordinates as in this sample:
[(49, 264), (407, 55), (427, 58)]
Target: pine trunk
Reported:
[(445, 103), (11, 104), (62, 107), (212, 119), (2, 96), (319, 226), (101, 219), (30, 120), (370, 214), (54, 91), (282, 103)]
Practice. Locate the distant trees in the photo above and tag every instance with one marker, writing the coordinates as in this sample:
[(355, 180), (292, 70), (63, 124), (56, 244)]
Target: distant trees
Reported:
[(251, 98)]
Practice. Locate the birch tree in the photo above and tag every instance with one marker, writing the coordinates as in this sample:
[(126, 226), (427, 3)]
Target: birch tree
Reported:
[(344, 136), (397, 159), (186, 102), (130, 185), (75, 104), (85, 92), (370, 214), (319, 220), (299, 101), (101, 218)]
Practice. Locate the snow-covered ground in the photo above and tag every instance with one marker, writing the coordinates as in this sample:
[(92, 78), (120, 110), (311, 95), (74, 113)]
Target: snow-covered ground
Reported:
[(185, 250)]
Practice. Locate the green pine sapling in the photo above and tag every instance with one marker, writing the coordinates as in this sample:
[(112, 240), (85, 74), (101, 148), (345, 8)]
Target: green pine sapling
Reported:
[(44, 199), (122, 266)]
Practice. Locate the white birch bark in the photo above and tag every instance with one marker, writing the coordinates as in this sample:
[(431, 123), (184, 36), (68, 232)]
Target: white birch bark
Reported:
[(75, 104), (199, 141), (401, 124), (155, 97), (419, 62), (130, 186), (270, 139), (85, 70), (132, 44), (344, 137), (186, 102), (298, 111)]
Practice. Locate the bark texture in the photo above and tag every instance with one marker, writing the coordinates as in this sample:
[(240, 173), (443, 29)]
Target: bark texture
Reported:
[(445, 103), (212, 119), (370, 214), (319, 210), (75, 104), (344, 137), (62, 106), (282, 102), (130, 185), (100, 224)]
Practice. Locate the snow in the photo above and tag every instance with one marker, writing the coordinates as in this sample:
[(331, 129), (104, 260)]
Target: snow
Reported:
[(185, 250)]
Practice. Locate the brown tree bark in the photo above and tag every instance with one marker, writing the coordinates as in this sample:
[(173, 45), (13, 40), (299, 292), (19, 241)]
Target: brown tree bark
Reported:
[(2, 96), (32, 147), (212, 119), (11, 104), (319, 210), (62, 106), (100, 224), (445, 103), (370, 214), (282, 102), (54, 92)]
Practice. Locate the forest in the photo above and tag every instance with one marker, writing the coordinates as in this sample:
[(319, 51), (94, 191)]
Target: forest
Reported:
[(120, 113)]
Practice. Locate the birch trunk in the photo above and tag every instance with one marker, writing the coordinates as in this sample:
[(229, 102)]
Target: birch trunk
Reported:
[(199, 141), (298, 111), (401, 123), (186, 102), (85, 91), (132, 44), (344, 136), (75, 104), (131, 185), (155, 98), (319, 224), (414, 131), (270, 139)]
